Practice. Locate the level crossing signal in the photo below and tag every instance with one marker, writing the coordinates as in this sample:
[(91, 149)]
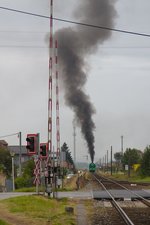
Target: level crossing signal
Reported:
[(43, 150), (92, 167), (32, 144)]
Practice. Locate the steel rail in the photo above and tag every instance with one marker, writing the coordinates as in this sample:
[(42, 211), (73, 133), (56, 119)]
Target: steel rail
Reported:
[(139, 196), (122, 213)]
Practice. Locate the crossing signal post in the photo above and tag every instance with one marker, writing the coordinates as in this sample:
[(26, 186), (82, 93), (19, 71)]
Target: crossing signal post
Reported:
[(43, 150), (33, 148), (32, 144)]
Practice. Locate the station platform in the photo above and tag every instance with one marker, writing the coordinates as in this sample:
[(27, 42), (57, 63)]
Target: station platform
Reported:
[(121, 194)]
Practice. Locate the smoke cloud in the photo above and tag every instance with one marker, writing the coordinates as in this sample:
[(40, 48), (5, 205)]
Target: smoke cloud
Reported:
[(74, 45)]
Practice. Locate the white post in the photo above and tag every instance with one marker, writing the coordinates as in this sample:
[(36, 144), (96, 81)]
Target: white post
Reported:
[(13, 169)]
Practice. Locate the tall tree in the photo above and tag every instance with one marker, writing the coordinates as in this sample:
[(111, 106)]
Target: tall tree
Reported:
[(145, 163), (118, 156), (66, 149), (5, 161), (131, 156), (28, 168)]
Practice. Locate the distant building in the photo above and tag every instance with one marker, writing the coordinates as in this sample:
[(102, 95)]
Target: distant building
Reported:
[(3, 143), (16, 149)]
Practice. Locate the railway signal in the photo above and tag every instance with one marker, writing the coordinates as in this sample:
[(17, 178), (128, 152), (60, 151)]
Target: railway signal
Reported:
[(43, 150), (32, 141)]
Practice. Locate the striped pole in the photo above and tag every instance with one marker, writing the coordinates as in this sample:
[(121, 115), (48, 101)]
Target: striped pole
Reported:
[(57, 105), (48, 162), (50, 84)]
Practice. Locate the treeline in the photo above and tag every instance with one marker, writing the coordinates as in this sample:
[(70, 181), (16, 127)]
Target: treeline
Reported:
[(134, 156)]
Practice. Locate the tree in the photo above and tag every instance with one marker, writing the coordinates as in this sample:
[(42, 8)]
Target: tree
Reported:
[(5, 161), (28, 169), (131, 156), (64, 147), (69, 159), (27, 176), (145, 162), (118, 157)]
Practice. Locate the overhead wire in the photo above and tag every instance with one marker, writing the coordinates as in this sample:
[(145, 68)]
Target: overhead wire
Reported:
[(77, 23), (46, 47), (9, 135)]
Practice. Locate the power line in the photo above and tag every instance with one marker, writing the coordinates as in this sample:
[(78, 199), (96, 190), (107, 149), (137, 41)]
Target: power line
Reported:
[(23, 46), (102, 47), (9, 135), (77, 23)]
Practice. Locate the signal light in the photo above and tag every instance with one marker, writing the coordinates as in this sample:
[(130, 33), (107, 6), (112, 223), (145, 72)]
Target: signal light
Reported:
[(43, 150), (31, 144)]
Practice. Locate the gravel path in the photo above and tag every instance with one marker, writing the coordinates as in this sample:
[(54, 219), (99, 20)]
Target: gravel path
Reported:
[(81, 214)]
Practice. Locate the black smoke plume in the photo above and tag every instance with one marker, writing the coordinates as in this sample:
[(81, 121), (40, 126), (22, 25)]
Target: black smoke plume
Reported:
[(74, 45)]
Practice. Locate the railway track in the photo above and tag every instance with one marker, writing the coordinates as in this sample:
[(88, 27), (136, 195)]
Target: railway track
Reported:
[(130, 216)]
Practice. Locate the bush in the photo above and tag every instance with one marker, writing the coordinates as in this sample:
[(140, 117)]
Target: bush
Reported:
[(27, 176), (21, 182), (145, 165)]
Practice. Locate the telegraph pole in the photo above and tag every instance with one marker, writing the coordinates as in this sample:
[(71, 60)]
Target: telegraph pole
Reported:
[(74, 140), (111, 159), (107, 160), (20, 153), (13, 169), (37, 160), (122, 144)]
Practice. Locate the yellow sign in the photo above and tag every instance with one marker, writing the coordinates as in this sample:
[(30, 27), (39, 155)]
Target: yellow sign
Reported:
[(136, 166)]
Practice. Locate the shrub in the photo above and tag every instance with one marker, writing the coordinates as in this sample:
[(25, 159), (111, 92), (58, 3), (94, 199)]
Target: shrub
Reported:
[(21, 182)]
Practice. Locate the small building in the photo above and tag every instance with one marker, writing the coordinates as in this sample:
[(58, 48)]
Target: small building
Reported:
[(3, 143), (16, 150)]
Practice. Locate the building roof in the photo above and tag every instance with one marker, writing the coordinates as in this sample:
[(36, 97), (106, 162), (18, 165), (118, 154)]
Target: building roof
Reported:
[(16, 149), (3, 143)]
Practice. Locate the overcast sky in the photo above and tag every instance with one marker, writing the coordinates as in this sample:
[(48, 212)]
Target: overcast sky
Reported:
[(118, 77)]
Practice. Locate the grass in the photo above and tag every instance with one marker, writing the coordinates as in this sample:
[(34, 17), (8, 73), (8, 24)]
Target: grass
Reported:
[(133, 177), (29, 189), (3, 222), (41, 209), (69, 185), (140, 179)]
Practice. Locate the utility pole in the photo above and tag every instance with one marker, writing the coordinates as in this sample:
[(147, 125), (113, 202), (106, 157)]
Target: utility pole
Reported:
[(20, 153), (107, 160), (122, 144), (111, 159), (74, 140), (103, 163), (13, 169), (38, 161), (100, 163)]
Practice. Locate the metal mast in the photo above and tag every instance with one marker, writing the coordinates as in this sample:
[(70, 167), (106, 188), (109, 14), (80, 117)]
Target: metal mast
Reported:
[(57, 105), (48, 163), (50, 83), (122, 145), (74, 140)]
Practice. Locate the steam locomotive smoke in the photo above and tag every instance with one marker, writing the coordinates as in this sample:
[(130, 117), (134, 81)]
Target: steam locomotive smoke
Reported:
[(74, 45)]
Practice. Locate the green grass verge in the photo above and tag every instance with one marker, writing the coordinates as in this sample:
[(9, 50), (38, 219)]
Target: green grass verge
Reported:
[(30, 189), (41, 208), (3, 222), (140, 179), (132, 178), (33, 189)]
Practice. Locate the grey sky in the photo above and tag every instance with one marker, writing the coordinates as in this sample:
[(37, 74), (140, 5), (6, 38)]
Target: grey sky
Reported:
[(118, 80)]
